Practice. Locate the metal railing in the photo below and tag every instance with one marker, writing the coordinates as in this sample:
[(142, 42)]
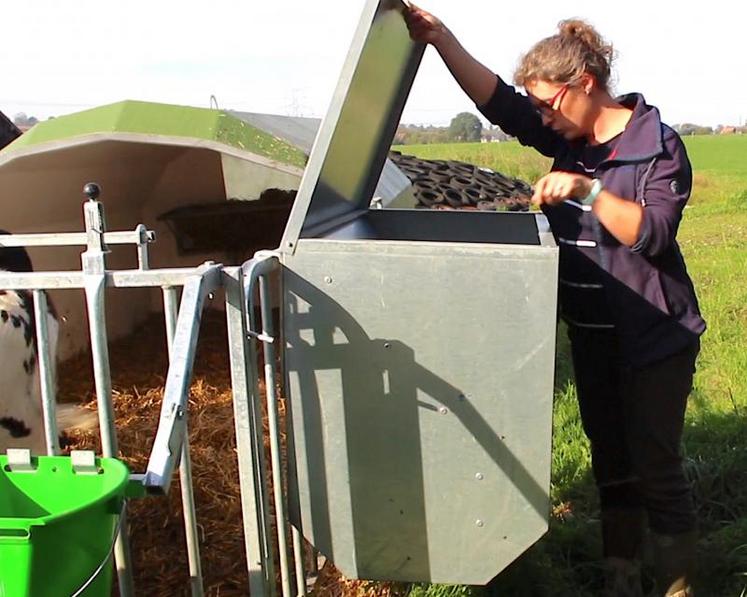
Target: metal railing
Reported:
[(253, 278), (247, 289)]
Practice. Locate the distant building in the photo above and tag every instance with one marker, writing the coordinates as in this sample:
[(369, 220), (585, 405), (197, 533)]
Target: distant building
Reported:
[(728, 130), (493, 135), (24, 128)]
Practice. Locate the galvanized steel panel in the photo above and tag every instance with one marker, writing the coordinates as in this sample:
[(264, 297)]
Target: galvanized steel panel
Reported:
[(354, 139), (420, 382)]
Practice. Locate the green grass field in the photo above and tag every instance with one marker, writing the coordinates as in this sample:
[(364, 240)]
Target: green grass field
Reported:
[(713, 237)]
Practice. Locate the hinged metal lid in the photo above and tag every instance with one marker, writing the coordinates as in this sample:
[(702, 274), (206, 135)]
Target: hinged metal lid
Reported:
[(353, 141)]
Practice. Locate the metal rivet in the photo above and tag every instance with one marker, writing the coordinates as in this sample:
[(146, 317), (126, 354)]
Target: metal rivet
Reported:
[(387, 345), (479, 476), (328, 279), (443, 410), (479, 523)]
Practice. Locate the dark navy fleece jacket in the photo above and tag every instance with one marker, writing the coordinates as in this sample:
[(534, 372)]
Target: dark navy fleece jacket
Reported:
[(644, 292)]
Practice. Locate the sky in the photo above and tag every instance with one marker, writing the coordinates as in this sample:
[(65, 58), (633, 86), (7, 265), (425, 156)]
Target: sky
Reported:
[(285, 56)]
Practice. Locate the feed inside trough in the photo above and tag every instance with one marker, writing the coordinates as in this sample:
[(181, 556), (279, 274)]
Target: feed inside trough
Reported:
[(238, 227)]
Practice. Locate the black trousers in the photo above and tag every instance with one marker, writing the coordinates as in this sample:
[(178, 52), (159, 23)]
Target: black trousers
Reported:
[(634, 418)]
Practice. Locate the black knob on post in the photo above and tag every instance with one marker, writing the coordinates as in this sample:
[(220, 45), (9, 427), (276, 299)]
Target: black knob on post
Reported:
[(92, 191)]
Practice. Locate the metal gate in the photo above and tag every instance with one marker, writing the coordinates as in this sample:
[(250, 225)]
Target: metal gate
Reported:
[(171, 446)]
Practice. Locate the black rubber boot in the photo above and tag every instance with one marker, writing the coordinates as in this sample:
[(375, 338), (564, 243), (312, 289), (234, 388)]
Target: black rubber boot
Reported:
[(674, 563), (622, 578), (622, 537)]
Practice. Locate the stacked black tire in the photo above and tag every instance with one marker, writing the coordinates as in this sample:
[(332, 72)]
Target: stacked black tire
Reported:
[(451, 184)]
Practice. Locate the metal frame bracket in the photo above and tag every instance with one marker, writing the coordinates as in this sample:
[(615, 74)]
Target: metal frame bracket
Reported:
[(19, 460), (84, 462)]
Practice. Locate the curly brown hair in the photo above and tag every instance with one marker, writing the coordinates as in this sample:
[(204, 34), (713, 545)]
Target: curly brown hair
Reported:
[(576, 49)]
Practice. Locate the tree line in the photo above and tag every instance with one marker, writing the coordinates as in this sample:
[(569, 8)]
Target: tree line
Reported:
[(465, 127), (687, 129)]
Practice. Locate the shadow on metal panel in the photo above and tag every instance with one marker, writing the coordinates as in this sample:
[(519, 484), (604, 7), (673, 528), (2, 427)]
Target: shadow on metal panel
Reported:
[(380, 404)]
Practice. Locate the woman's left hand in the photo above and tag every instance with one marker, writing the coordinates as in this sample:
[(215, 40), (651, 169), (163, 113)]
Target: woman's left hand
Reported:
[(556, 187)]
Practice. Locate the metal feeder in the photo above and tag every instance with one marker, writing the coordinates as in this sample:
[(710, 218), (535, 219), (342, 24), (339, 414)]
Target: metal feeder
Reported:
[(418, 352)]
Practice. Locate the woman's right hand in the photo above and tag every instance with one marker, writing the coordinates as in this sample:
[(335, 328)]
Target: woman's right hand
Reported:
[(424, 27), (475, 79)]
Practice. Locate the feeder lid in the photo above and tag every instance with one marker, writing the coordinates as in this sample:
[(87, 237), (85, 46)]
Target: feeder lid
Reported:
[(351, 147)]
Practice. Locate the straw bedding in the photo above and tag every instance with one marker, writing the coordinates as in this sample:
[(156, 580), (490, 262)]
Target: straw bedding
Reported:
[(139, 365)]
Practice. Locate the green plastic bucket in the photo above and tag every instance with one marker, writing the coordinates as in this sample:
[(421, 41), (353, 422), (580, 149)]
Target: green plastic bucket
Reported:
[(57, 527)]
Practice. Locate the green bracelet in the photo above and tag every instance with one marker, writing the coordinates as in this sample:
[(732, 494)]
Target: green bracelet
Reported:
[(596, 188)]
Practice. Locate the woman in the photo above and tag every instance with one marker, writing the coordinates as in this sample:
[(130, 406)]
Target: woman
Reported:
[(614, 199)]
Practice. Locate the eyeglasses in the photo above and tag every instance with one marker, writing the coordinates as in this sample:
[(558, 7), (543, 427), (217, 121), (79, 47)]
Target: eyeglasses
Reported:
[(547, 108)]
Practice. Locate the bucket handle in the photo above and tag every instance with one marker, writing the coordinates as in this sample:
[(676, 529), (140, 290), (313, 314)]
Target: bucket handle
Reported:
[(14, 534), (107, 557), (14, 530)]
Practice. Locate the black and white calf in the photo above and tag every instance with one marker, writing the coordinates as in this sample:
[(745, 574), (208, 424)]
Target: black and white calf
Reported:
[(21, 418)]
